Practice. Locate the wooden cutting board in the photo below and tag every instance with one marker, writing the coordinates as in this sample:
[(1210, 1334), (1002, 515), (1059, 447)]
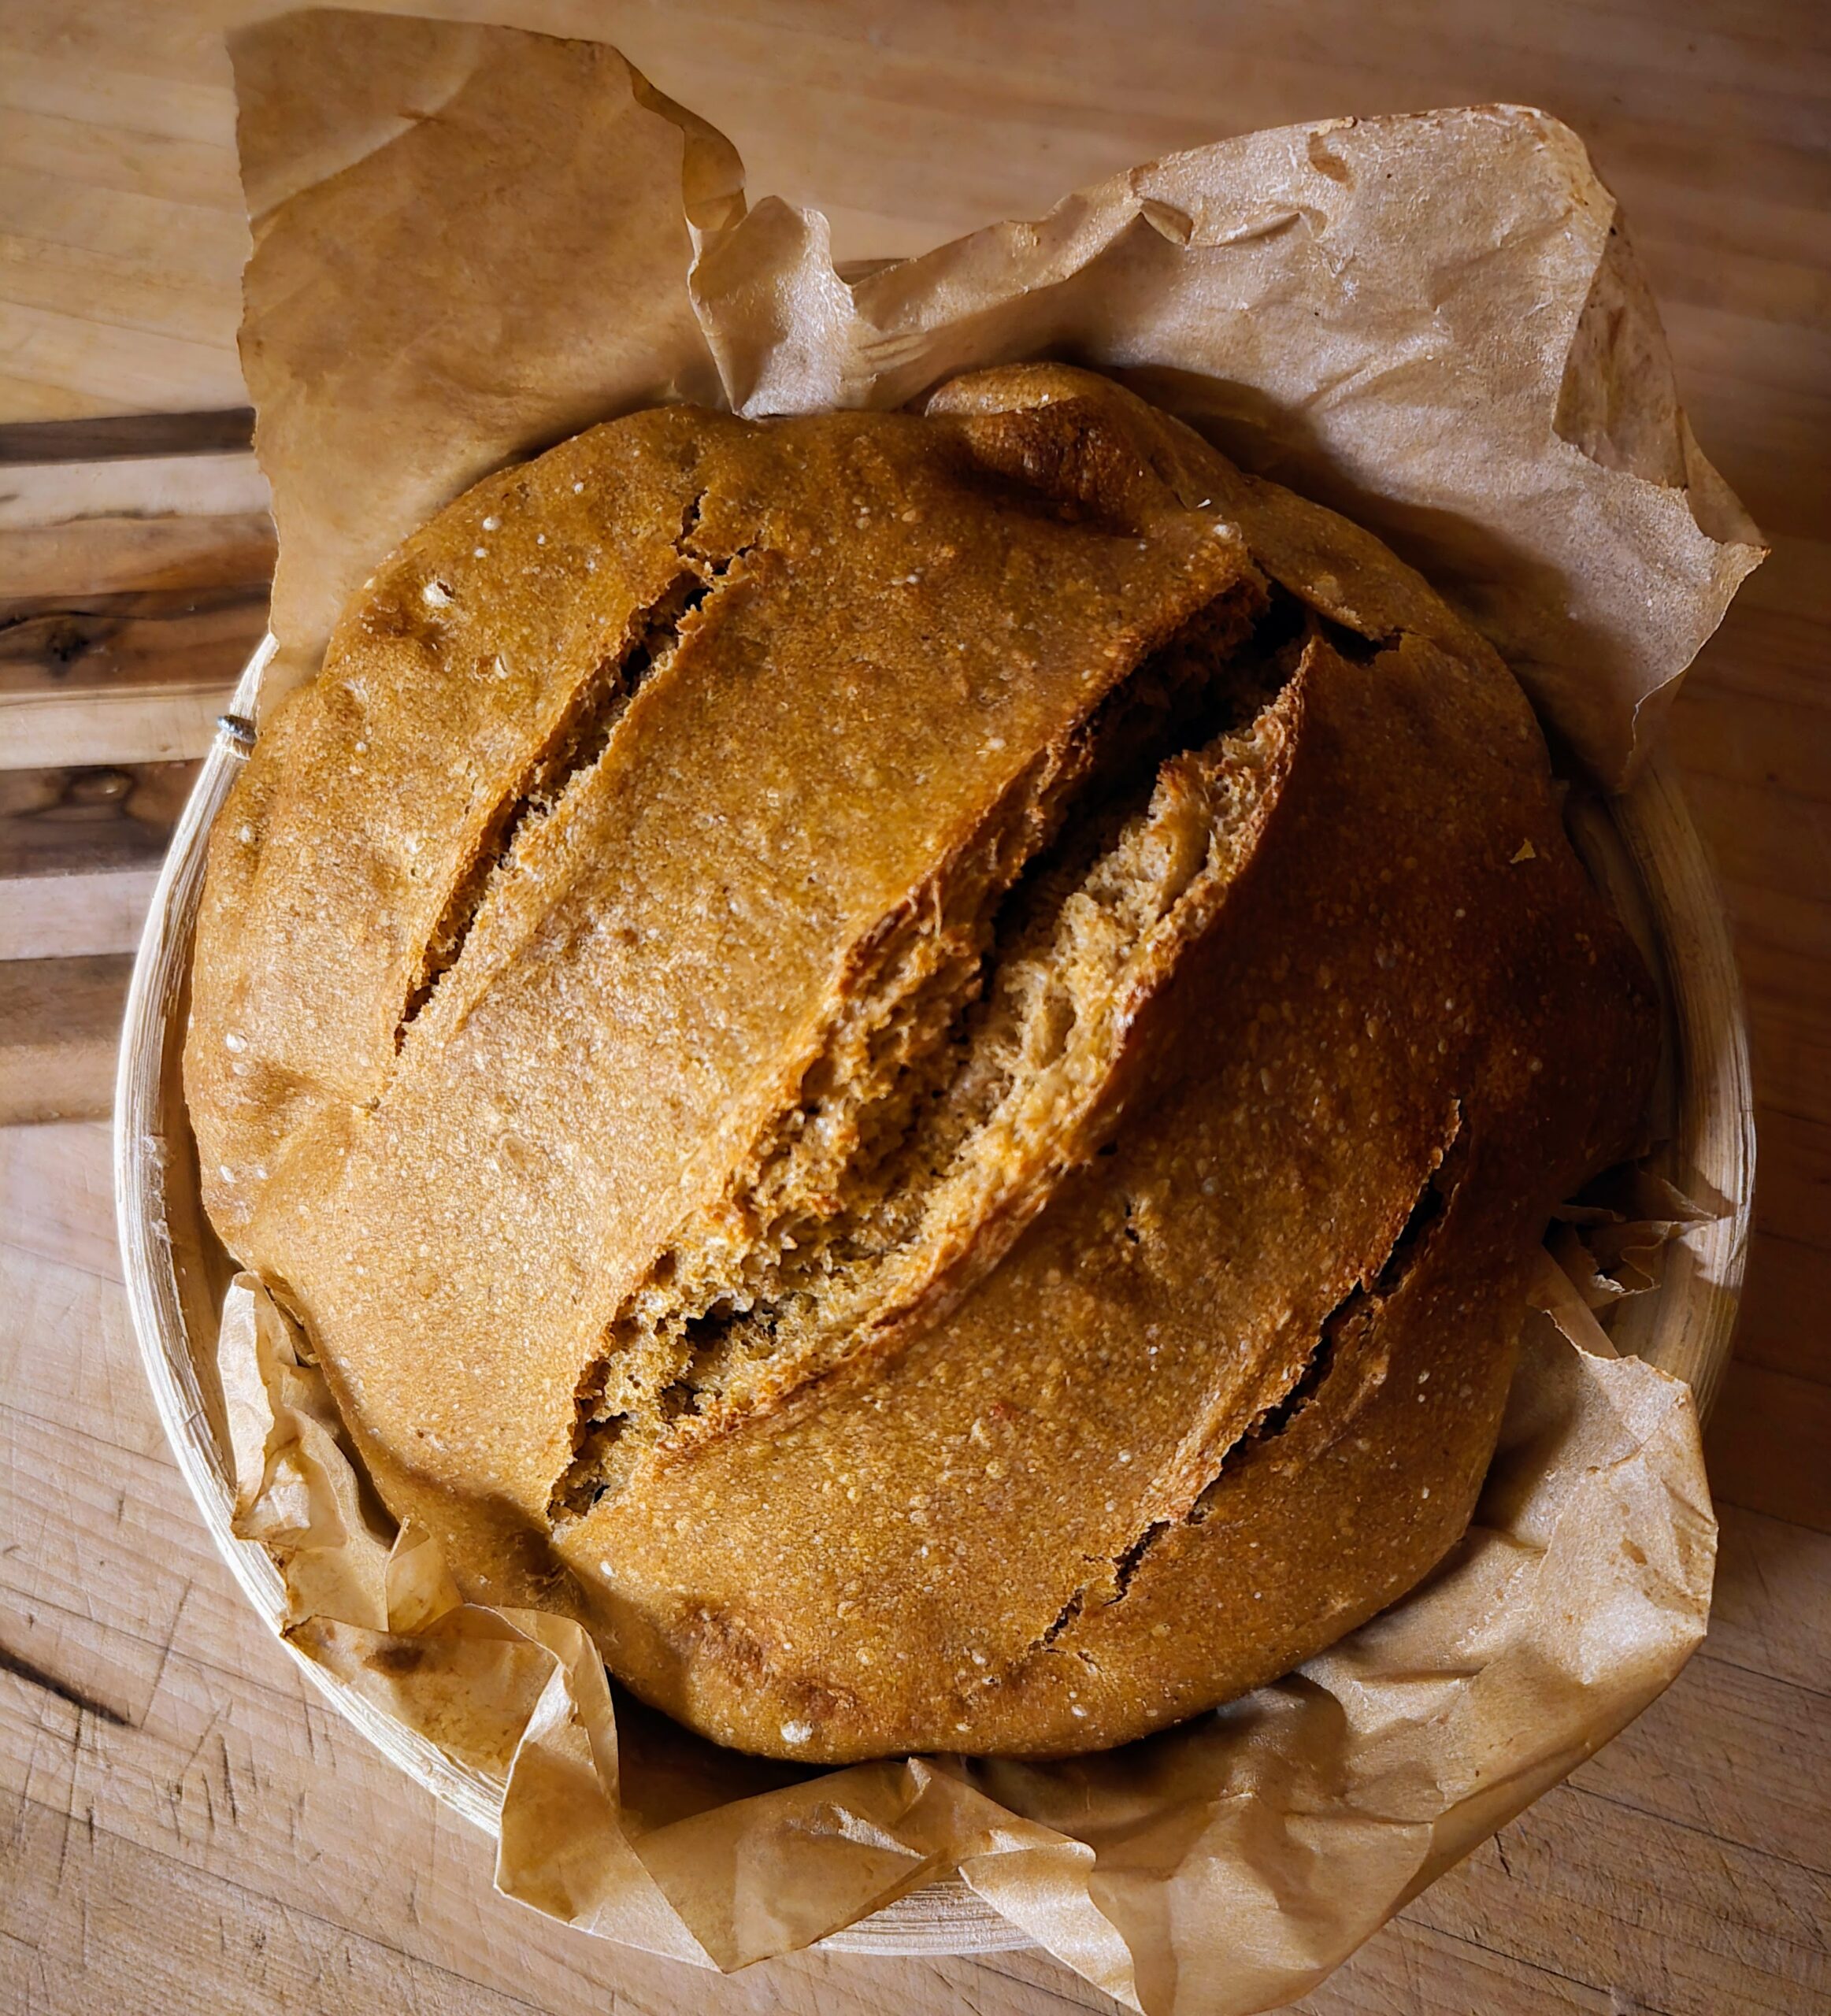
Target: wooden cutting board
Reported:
[(134, 559)]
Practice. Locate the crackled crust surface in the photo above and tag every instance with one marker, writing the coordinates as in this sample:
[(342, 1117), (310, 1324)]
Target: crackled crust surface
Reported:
[(910, 1061)]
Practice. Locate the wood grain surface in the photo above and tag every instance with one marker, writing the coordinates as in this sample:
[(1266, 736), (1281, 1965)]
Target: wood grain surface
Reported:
[(182, 1826)]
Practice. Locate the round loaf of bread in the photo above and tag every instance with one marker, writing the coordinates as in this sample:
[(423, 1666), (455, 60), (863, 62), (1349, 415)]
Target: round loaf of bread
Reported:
[(912, 1062)]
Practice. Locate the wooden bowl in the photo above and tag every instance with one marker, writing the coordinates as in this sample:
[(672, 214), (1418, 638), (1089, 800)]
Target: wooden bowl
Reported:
[(1642, 847)]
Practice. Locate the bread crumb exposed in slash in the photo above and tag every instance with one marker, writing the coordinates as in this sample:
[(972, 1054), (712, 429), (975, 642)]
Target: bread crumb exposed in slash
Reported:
[(980, 1041)]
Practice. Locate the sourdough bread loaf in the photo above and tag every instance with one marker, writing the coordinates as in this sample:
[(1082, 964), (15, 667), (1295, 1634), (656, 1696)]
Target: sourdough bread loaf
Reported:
[(911, 1061)]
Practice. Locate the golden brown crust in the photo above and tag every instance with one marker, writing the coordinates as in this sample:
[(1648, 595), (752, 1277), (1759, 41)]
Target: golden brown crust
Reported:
[(872, 1369)]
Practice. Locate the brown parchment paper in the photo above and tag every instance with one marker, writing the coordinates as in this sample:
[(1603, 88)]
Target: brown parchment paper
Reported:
[(468, 242), (1221, 1868), (471, 241)]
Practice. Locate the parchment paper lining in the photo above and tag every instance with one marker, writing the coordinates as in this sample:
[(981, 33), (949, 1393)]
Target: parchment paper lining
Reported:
[(1434, 323), (1226, 1866)]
